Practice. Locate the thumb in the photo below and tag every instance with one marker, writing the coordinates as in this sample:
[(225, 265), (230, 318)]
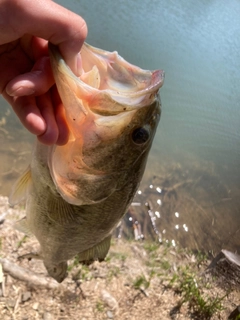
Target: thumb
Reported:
[(52, 22)]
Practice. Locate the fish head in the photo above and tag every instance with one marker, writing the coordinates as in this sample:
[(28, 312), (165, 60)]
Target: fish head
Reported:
[(112, 111), (57, 271)]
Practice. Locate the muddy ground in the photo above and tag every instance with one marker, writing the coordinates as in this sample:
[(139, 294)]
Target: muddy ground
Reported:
[(138, 280)]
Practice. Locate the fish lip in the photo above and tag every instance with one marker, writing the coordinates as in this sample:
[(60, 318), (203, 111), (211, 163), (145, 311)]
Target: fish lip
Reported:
[(157, 78), (153, 88)]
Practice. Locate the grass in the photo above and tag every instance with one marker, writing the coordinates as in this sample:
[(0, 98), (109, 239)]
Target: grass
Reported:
[(165, 265), (74, 263), (85, 273), (116, 255), (21, 241), (141, 283), (82, 271), (201, 257), (192, 291), (114, 271), (151, 246), (99, 306)]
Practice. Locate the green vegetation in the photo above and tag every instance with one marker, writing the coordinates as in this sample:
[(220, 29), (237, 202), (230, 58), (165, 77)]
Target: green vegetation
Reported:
[(21, 241), (201, 257), (151, 246), (165, 265), (99, 306), (81, 272), (141, 283), (193, 290), (114, 271), (85, 273), (116, 255), (73, 263)]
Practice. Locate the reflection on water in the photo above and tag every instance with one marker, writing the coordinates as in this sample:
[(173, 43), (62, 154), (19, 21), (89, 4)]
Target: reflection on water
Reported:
[(187, 204), (192, 179)]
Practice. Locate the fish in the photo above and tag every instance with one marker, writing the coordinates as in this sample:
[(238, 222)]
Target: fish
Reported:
[(76, 194)]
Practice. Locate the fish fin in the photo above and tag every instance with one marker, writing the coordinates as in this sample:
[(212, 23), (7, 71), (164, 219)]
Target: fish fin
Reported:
[(21, 187), (97, 252), (61, 212), (22, 226)]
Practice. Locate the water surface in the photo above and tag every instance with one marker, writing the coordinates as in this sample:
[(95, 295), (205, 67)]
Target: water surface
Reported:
[(197, 145)]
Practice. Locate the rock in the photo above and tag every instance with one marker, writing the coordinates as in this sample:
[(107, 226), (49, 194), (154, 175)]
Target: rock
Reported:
[(109, 300), (226, 268), (11, 303), (235, 314), (109, 314), (2, 217), (47, 316), (26, 296), (232, 257), (35, 306)]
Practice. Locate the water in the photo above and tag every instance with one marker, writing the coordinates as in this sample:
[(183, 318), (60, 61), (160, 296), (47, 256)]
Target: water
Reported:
[(197, 146)]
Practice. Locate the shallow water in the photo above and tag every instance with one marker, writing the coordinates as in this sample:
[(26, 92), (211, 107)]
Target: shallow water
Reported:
[(198, 139)]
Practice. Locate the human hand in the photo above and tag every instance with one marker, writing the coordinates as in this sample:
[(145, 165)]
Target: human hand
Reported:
[(26, 79)]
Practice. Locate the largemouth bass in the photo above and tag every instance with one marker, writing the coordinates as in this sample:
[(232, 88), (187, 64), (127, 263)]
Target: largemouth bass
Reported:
[(76, 194)]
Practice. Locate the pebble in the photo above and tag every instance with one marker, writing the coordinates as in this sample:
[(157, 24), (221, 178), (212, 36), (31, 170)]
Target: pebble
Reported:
[(109, 314), (35, 306), (109, 300), (47, 316), (11, 303), (26, 296)]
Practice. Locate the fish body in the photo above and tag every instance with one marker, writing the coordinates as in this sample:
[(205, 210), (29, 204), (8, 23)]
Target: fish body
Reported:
[(76, 194)]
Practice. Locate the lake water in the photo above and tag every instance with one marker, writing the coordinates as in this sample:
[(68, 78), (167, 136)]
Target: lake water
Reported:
[(195, 158)]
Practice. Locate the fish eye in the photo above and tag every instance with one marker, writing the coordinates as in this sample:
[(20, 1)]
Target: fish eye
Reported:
[(140, 135)]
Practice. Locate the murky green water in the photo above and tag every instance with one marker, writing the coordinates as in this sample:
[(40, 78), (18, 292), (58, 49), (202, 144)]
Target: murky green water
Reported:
[(196, 154)]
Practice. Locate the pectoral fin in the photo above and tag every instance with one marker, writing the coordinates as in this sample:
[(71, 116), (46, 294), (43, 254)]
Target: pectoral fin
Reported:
[(21, 188), (22, 226), (97, 252)]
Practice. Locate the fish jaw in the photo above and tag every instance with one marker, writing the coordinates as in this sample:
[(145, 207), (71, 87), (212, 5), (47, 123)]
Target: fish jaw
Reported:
[(108, 86), (103, 108), (57, 271)]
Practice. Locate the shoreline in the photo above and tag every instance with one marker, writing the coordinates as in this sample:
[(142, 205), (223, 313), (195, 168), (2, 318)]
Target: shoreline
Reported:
[(138, 280)]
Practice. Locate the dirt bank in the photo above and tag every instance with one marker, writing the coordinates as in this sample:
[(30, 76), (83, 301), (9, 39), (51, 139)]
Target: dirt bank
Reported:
[(138, 280)]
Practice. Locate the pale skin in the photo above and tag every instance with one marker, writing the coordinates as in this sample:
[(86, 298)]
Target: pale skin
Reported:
[(26, 81)]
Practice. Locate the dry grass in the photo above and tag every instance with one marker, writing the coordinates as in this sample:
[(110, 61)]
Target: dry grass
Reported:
[(137, 281)]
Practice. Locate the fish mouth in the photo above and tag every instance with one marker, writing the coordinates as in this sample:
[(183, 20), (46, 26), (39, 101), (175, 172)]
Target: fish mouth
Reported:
[(126, 84), (106, 79)]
